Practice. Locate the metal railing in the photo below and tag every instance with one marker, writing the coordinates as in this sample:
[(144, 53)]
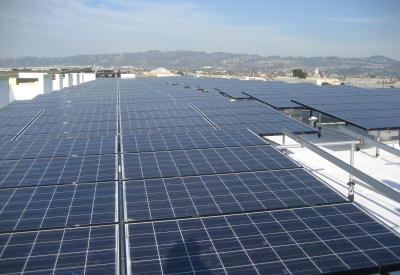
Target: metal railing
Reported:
[(373, 183)]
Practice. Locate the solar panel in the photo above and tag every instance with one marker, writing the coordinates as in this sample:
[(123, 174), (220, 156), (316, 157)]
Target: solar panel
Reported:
[(204, 162), (259, 110), (48, 148), (79, 111), (11, 131), (227, 104), (10, 113), (221, 194), (52, 171), (159, 114), (154, 107), (192, 198), (388, 120), (66, 135), (189, 140), (169, 129), (164, 123), (89, 250), (249, 119), (15, 121), (57, 206), (155, 100), (274, 100), (38, 128), (298, 241), (76, 118)]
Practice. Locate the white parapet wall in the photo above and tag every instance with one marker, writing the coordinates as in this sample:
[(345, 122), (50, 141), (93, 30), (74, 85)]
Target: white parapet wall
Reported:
[(58, 82), (67, 81), (43, 84), (127, 76), (89, 77), (47, 84), (81, 78), (30, 75), (74, 79), (4, 93)]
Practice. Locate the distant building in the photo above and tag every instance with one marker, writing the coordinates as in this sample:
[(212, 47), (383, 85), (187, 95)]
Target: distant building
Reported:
[(160, 72), (289, 74)]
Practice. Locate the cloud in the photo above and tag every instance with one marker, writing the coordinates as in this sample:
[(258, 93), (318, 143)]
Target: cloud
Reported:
[(382, 19)]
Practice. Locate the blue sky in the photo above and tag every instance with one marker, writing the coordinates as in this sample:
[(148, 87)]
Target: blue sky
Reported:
[(287, 28)]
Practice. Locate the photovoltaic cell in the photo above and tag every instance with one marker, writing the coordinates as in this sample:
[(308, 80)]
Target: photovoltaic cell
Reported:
[(204, 162), (298, 241), (89, 250), (57, 206), (154, 107), (170, 129), (79, 111), (366, 119), (48, 148), (61, 119), (189, 140), (164, 123), (15, 121), (38, 128), (52, 171), (67, 135), (11, 131), (12, 113), (229, 193), (274, 100), (159, 114), (250, 119)]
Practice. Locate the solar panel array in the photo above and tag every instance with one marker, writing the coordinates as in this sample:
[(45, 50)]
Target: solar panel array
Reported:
[(59, 196), (169, 177), (367, 109), (376, 109)]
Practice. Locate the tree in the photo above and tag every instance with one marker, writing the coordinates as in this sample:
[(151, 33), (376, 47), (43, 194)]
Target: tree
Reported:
[(299, 73)]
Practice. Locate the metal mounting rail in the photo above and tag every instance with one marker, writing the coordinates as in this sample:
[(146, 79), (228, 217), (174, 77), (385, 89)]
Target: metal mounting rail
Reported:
[(288, 146), (370, 141), (379, 186)]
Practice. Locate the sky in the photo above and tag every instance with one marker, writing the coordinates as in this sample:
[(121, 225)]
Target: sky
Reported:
[(344, 28)]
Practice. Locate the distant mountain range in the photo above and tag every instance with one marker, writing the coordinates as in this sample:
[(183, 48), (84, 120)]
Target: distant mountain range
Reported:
[(218, 61)]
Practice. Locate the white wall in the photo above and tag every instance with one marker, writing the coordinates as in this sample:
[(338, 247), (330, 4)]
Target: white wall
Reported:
[(58, 82), (67, 81), (46, 84), (74, 79), (24, 91), (89, 77), (127, 76), (4, 93)]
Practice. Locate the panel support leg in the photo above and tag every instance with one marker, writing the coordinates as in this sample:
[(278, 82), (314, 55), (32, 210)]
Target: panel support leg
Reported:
[(351, 180), (378, 138), (319, 126)]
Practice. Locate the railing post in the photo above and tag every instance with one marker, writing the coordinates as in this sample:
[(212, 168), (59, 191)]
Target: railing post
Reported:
[(351, 180), (319, 126), (378, 138)]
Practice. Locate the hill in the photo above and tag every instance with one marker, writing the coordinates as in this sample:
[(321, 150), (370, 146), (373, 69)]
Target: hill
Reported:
[(218, 61)]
